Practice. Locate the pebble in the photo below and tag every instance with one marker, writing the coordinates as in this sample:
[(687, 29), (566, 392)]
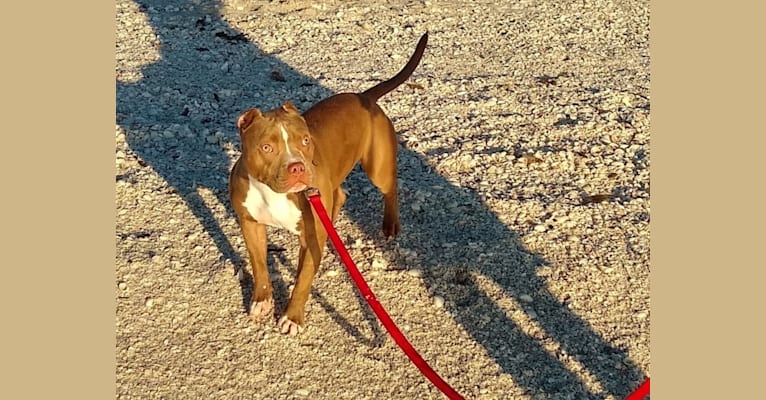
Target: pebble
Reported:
[(526, 298), (416, 272), (149, 302), (122, 285), (438, 301), (302, 392), (331, 273)]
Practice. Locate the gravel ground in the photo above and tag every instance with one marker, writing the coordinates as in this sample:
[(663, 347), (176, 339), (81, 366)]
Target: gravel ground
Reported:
[(522, 269)]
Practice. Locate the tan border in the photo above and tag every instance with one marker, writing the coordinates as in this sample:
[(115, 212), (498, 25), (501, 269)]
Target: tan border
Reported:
[(58, 200), (707, 110), (659, 321)]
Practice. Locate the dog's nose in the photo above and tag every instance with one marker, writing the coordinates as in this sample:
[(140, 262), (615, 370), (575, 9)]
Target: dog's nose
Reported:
[(296, 168)]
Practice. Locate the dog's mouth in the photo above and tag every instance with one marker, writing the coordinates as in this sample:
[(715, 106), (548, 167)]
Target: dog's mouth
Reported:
[(289, 186), (296, 187), (293, 183)]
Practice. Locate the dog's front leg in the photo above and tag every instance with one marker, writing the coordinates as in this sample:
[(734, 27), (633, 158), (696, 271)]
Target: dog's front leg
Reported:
[(313, 240), (255, 239)]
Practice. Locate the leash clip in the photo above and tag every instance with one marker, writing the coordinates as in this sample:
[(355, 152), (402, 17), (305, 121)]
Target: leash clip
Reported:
[(311, 192)]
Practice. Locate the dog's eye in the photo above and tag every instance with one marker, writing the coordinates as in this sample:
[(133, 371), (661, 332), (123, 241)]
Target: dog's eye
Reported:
[(267, 148), (305, 141)]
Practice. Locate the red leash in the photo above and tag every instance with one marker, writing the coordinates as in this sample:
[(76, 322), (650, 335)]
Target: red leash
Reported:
[(641, 392), (313, 197)]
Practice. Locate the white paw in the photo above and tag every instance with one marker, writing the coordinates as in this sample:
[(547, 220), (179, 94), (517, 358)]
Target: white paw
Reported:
[(260, 309), (288, 327)]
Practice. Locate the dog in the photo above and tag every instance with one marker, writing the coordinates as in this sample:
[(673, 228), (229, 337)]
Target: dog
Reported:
[(283, 153)]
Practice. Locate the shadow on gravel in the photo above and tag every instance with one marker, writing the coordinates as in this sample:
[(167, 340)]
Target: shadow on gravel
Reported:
[(209, 73)]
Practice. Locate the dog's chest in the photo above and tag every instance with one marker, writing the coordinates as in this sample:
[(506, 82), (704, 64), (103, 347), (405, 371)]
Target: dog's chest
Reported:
[(271, 208)]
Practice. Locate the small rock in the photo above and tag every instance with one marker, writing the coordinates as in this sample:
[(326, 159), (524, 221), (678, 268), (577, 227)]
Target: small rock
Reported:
[(331, 273), (276, 75), (302, 392), (149, 302), (122, 285), (540, 228), (438, 301), (378, 264), (416, 272), (573, 238), (526, 298)]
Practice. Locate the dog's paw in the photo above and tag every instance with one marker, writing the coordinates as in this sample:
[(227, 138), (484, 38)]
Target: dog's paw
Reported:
[(261, 309), (391, 229), (288, 327)]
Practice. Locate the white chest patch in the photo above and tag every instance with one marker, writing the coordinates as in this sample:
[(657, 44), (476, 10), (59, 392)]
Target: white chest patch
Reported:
[(271, 208)]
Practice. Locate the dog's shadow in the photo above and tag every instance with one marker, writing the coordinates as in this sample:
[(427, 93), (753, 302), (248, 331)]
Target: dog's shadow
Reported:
[(179, 120)]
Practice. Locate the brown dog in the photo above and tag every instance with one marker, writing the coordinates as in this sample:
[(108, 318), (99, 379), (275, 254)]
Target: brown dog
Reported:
[(283, 153)]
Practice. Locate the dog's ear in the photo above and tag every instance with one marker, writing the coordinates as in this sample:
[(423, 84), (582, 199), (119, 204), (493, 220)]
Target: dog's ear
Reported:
[(289, 107), (247, 118)]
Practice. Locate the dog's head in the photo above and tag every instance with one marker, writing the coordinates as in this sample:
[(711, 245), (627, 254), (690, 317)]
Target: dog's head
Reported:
[(277, 148)]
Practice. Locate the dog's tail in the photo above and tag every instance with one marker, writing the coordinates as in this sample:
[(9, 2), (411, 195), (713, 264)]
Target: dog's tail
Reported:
[(377, 91)]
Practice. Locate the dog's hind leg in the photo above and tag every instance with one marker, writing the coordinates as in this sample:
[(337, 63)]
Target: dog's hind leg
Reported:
[(379, 162), (339, 197)]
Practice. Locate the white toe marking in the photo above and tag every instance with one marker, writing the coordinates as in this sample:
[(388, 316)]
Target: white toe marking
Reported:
[(289, 327)]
